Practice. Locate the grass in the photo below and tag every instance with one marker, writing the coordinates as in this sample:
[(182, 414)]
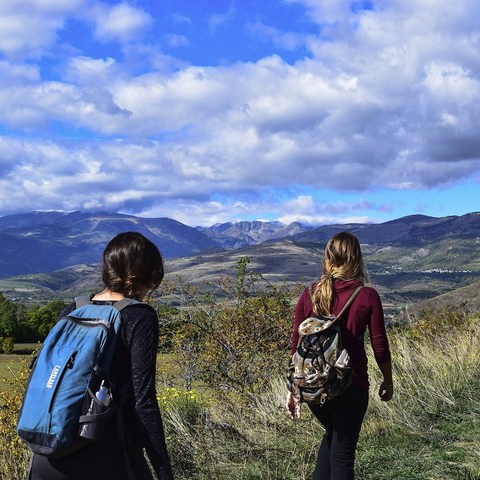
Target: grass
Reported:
[(12, 365), (429, 431), (443, 446)]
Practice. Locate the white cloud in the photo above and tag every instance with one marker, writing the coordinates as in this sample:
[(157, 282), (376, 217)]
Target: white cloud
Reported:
[(326, 12), (181, 19), (392, 99), (286, 40), (53, 7), (27, 36), (87, 70), (451, 83), (308, 210), (122, 22), (28, 28), (17, 74), (221, 19), (174, 40)]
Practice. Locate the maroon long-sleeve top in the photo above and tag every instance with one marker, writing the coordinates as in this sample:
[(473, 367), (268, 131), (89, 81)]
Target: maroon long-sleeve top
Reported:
[(365, 312)]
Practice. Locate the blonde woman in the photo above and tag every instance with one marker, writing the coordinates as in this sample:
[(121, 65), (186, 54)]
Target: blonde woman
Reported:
[(342, 417)]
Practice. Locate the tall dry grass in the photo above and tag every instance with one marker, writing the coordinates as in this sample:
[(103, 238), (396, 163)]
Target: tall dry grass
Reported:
[(429, 430), (435, 367), (436, 384)]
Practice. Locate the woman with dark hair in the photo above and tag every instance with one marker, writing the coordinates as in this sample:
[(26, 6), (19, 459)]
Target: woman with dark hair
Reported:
[(342, 416), (132, 268)]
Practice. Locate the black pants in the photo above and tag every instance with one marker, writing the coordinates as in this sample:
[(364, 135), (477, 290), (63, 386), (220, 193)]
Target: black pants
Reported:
[(342, 419), (104, 460)]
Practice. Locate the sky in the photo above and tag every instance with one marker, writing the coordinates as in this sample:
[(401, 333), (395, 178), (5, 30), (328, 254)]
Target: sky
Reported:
[(210, 111)]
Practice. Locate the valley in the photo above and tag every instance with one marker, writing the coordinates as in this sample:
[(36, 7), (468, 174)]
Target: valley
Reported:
[(407, 279)]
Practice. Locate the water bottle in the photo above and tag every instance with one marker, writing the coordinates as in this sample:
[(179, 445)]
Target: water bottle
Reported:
[(103, 395), (93, 429)]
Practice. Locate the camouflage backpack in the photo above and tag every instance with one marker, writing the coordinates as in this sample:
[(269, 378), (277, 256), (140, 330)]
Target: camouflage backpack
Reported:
[(320, 369)]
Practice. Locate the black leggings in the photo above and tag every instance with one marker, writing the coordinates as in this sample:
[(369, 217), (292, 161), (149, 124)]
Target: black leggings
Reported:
[(342, 419), (104, 460)]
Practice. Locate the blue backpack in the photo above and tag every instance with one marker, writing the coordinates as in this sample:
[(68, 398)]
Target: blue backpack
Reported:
[(68, 396)]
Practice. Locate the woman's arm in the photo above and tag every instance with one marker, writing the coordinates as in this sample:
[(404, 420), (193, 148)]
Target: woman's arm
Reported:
[(300, 316), (144, 344), (380, 345), (292, 405)]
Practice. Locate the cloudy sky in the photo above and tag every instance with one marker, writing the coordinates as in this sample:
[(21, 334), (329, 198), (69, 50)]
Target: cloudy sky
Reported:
[(209, 111)]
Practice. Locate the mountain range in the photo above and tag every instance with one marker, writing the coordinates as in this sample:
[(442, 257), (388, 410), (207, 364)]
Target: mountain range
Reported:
[(40, 242), (410, 259)]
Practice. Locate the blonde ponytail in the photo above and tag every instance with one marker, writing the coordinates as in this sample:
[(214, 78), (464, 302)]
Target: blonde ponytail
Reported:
[(342, 260), (323, 295)]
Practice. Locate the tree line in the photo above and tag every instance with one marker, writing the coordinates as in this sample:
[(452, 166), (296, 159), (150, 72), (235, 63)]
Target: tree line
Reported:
[(21, 324)]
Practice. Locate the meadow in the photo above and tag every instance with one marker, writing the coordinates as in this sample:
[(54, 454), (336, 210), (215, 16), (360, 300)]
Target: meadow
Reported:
[(218, 430), (429, 431)]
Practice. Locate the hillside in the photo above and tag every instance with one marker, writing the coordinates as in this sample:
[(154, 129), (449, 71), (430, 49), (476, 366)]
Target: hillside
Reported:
[(279, 262), (42, 242), (410, 260), (233, 235), (286, 262), (413, 230), (468, 298)]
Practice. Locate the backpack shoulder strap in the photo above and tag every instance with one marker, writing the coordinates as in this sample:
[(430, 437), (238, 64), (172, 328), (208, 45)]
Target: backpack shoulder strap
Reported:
[(349, 301), (82, 300), (120, 305)]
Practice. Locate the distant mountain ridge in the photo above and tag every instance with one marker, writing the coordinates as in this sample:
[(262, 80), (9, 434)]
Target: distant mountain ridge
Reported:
[(409, 230), (42, 242), (233, 235), (46, 241)]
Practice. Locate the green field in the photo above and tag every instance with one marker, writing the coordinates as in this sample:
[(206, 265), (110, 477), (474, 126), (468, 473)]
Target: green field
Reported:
[(10, 365), (10, 368)]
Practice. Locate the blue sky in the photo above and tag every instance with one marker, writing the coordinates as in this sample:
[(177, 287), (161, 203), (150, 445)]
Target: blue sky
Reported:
[(203, 111)]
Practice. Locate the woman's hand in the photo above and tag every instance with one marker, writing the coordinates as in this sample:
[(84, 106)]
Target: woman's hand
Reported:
[(293, 406), (386, 391), (386, 388)]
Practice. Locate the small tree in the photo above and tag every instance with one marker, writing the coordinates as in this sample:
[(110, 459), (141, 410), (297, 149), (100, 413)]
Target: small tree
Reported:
[(41, 319), (185, 327), (7, 345), (8, 317), (240, 341)]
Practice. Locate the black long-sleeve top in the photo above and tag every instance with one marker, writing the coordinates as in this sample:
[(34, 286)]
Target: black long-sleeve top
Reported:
[(134, 366)]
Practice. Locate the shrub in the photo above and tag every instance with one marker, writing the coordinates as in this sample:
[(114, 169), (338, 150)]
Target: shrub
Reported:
[(185, 402), (237, 343), (14, 455), (7, 345)]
